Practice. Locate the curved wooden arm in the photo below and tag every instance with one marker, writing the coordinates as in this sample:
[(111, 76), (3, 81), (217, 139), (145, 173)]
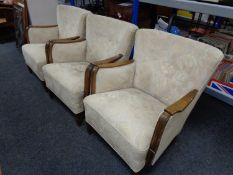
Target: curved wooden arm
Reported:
[(179, 106), (49, 46), (95, 68), (44, 26), (108, 60)]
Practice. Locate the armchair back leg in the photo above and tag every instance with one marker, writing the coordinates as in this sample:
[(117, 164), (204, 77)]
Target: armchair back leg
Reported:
[(79, 118), (90, 130)]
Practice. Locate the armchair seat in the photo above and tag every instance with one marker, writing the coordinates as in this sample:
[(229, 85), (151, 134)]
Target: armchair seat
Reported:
[(66, 81), (35, 58), (128, 116)]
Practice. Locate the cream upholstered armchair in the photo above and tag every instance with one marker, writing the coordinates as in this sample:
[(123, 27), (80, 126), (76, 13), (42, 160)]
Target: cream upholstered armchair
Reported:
[(107, 40), (71, 27), (141, 106)]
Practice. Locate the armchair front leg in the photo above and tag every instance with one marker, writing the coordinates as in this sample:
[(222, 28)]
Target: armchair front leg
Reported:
[(169, 112)]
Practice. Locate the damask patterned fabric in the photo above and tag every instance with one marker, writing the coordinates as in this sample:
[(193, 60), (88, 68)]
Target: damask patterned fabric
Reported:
[(167, 68), (71, 21), (66, 81), (35, 58), (106, 37), (125, 119)]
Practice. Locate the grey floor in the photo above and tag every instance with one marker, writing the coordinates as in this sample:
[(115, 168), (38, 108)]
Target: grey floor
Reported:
[(38, 135)]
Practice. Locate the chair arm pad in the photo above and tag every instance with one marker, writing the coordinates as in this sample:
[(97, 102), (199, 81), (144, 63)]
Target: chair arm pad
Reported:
[(41, 34), (109, 77), (181, 104), (108, 60), (65, 48)]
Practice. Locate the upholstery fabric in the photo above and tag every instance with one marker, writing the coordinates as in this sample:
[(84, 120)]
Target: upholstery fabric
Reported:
[(69, 52), (169, 66), (66, 81), (71, 21), (42, 35), (110, 79), (35, 58), (107, 37), (126, 120)]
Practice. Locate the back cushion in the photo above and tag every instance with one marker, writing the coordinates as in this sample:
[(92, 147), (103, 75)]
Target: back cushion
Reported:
[(71, 21), (107, 37), (169, 66)]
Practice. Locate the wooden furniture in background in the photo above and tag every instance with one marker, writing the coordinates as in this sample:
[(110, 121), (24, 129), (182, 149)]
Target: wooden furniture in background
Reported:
[(21, 22), (121, 9), (6, 22)]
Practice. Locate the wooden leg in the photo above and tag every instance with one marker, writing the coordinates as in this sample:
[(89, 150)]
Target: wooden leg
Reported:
[(79, 118), (1, 172), (29, 69), (90, 130)]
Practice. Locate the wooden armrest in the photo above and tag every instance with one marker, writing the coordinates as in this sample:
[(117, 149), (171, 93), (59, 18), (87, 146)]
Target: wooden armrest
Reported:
[(44, 26), (88, 73), (67, 40), (116, 64), (108, 60), (49, 46), (91, 72), (181, 104), (171, 110)]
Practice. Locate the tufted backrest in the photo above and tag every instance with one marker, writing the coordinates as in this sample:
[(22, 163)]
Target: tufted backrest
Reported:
[(169, 66), (71, 21), (107, 37)]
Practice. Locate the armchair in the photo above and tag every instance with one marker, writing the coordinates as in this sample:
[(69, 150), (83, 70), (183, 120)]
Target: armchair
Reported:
[(71, 26), (139, 107), (107, 40)]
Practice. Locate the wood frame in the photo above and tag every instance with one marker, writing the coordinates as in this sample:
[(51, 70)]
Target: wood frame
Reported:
[(29, 27), (169, 112), (89, 70), (49, 46), (95, 69)]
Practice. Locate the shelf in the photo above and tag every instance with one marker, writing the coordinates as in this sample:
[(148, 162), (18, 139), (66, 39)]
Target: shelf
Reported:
[(194, 6)]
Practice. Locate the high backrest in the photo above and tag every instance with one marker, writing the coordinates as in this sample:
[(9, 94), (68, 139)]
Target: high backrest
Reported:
[(42, 12), (107, 37), (71, 21), (169, 66)]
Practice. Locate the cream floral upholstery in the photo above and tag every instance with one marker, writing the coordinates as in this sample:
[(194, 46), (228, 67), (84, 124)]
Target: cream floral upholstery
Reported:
[(166, 68), (71, 22), (105, 37)]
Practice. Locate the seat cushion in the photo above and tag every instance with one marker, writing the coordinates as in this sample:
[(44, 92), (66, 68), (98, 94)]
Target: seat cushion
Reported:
[(66, 81), (35, 58), (126, 119)]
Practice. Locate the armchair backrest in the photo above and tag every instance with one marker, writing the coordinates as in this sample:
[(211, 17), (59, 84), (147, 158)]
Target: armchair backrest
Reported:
[(169, 66), (107, 37), (71, 21), (42, 12)]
